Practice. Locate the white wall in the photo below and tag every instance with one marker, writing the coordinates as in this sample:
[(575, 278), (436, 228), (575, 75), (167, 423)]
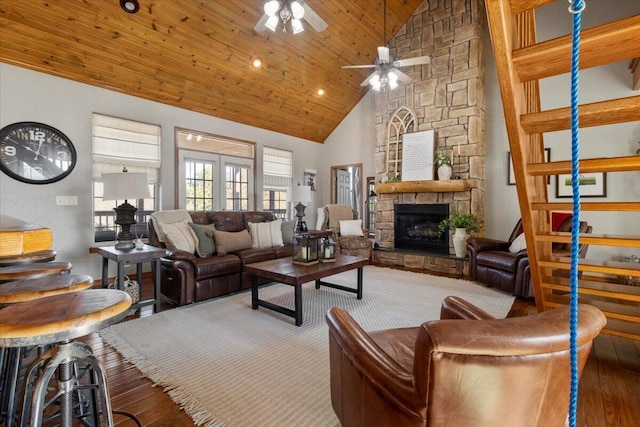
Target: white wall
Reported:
[(599, 83), (66, 105), (352, 141)]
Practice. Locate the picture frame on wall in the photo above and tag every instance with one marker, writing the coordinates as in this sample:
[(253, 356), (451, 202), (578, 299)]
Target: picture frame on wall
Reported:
[(591, 185), (511, 178), (310, 178)]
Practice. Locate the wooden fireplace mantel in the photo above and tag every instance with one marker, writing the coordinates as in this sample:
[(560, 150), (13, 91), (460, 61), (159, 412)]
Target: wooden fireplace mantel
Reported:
[(452, 185)]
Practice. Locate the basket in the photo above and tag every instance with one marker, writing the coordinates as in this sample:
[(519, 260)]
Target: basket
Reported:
[(132, 288), (630, 280)]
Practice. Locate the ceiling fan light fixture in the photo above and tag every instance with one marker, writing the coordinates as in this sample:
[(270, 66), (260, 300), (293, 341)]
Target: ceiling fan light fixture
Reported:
[(271, 7), (272, 23), (296, 25), (393, 77), (297, 10)]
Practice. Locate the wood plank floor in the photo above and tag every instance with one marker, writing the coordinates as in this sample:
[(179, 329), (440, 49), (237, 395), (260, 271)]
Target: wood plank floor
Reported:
[(609, 387)]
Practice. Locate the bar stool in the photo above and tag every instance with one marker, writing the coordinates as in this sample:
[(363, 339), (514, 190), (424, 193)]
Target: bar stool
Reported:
[(60, 319), (20, 291)]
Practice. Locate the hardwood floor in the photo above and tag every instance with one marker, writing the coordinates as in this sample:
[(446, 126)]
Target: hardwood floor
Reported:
[(609, 387)]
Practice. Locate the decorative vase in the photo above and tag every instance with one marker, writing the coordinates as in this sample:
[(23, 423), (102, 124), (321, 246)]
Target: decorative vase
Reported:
[(460, 242), (444, 172)]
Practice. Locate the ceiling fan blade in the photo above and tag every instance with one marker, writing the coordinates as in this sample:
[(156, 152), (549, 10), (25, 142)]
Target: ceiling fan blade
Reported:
[(313, 19), (383, 53), (412, 61), (401, 76), (260, 26), (358, 66), (366, 81)]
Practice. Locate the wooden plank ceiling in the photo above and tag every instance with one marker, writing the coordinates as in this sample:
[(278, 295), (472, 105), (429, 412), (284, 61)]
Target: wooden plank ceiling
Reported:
[(195, 54)]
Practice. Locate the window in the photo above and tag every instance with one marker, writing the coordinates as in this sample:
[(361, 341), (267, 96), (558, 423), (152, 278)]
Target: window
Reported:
[(277, 167), (214, 173), (119, 143)]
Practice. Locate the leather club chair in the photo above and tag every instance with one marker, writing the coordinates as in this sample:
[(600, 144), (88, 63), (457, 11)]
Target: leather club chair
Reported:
[(491, 263), (480, 372)]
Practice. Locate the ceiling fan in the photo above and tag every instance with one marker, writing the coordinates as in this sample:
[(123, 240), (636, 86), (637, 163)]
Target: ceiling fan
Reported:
[(386, 72), (289, 10)]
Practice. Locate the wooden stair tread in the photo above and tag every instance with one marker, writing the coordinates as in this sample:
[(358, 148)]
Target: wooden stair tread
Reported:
[(61, 317), (603, 44), (590, 238), (590, 287), (595, 114), (603, 164), (628, 312), (596, 266), (622, 328), (518, 6), (30, 289), (33, 270), (40, 256), (587, 206)]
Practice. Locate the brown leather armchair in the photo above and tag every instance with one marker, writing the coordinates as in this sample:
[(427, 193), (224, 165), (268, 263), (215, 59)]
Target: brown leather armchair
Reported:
[(478, 372), (491, 263)]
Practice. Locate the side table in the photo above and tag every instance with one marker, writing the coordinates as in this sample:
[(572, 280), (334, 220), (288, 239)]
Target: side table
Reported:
[(134, 256)]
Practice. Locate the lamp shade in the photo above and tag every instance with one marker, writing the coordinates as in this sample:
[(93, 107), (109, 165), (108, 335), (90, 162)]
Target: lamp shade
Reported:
[(125, 185), (301, 193)]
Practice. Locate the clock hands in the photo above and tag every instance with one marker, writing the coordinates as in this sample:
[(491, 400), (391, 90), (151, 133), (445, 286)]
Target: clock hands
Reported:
[(39, 147)]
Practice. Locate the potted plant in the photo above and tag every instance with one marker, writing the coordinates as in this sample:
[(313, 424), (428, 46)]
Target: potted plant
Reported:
[(443, 165), (463, 223)]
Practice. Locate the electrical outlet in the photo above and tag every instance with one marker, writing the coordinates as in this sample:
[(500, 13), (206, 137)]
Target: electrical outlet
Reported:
[(67, 200)]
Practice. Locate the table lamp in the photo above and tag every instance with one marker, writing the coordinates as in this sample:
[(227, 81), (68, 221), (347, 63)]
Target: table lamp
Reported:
[(124, 186), (301, 194)]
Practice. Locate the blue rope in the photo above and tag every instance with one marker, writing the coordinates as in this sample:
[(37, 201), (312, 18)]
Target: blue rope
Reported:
[(576, 8)]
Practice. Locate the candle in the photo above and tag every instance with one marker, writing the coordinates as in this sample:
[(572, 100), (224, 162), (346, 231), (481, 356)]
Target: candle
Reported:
[(303, 254), (327, 252), (458, 149)]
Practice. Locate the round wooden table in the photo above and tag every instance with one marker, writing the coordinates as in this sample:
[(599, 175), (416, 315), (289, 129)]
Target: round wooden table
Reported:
[(60, 319), (30, 289)]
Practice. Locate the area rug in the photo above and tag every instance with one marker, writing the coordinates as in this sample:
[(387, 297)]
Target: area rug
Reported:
[(228, 365)]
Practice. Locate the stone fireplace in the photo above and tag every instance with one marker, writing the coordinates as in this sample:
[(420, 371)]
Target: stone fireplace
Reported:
[(447, 96)]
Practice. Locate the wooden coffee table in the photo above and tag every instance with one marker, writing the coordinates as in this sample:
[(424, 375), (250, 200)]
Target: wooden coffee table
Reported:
[(282, 270)]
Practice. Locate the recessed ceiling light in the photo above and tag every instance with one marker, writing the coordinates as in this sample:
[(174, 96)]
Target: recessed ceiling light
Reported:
[(256, 62), (130, 6), (320, 92)]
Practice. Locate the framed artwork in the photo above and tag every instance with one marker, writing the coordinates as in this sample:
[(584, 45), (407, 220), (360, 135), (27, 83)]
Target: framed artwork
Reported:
[(417, 156), (310, 178), (591, 185), (511, 178)]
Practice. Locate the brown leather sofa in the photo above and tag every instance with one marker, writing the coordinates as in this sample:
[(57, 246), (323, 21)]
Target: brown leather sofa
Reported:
[(491, 263), (480, 372), (188, 278)]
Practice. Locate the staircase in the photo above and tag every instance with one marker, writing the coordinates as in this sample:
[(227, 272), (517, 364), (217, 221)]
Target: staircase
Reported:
[(520, 63)]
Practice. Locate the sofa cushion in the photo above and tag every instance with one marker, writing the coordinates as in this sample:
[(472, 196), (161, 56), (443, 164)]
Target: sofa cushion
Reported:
[(266, 234), (249, 256), (288, 230), (180, 236), (518, 244), (213, 266), (206, 245), (227, 241), (227, 220), (351, 227)]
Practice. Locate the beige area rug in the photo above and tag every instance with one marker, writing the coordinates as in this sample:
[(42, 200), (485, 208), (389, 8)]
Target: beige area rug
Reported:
[(228, 365)]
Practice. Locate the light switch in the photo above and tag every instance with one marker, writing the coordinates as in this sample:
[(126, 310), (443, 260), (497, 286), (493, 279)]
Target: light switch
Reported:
[(67, 200)]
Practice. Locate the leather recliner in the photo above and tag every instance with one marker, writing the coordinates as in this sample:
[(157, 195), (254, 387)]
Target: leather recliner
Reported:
[(492, 264), (477, 372)]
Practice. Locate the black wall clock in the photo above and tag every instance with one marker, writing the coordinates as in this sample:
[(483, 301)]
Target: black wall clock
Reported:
[(35, 153)]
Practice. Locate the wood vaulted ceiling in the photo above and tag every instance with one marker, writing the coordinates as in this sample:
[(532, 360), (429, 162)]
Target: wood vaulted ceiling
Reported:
[(195, 54)]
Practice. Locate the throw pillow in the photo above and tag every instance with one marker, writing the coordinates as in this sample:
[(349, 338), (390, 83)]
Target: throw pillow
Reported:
[(266, 234), (180, 236), (288, 230), (351, 228), (518, 244), (206, 245), (228, 241)]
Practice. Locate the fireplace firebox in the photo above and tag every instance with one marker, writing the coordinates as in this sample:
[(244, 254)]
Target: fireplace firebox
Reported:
[(416, 227)]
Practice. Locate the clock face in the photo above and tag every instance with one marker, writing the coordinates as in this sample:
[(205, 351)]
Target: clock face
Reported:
[(35, 153)]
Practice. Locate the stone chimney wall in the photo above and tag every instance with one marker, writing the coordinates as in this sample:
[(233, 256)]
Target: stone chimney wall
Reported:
[(447, 96)]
